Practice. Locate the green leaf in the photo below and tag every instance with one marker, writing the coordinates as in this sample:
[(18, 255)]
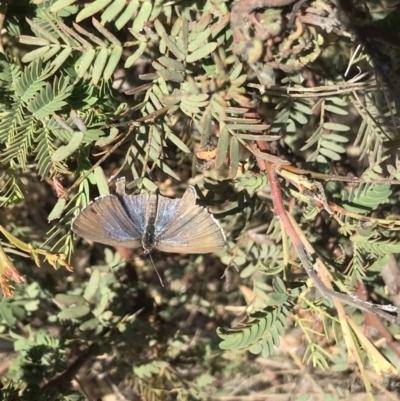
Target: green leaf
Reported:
[(231, 341), (299, 117), (133, 58), (149, 185), (101, 181), (50, 99), (203, 52), (55, 49), (171, 63), (250, 137), (330, 154), (69, 299), (169, 75), (107, 315), (57, 209), (102, 305), (112, 11), (204, 380), (91, 9), (235, 72), (199, 40), (336, 126), (277, 299), (92, 286), (249, 270), (34, 54), (248, 127), (85, 62), (128, 13), (290, 126), (90, 324), (61, 58), (332, 146), (105, 140), (74, 312), (256, 349), (30, 82), (113, 61), (64, 151), (174, 139), (189, 109), (99, 64), (171, 44), (254, 328), (335, 137), (166, 169), (7, 315), (222, 149), (33, 40), (335, 110), (106, 33), (337, 100), (37, 28), (303, 108), (60, 5), (142, 17)]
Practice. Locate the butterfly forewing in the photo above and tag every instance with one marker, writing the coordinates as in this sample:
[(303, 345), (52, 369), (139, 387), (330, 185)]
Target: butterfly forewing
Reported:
[(184, 227), (106, 221)]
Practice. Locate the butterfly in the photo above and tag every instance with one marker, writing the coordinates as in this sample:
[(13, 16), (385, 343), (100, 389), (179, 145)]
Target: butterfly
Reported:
[(151, 221)]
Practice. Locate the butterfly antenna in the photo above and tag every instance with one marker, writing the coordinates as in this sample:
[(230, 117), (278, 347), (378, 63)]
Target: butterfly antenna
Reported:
[(121, 262), (124, 260), (155, 268)]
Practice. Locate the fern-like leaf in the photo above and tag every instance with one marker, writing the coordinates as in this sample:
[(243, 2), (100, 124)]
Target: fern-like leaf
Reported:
[(366, 197), (51, 98)]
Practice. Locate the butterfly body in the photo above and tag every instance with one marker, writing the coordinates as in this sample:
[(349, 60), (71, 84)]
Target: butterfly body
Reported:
[(149, 240), (151, 221)]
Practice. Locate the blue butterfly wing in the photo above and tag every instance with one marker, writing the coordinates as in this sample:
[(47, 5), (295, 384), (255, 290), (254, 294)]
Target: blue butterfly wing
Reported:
[(135, 207), (106, 221)]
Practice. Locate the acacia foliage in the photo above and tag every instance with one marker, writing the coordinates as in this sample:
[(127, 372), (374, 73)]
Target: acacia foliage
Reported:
[(160, 92)]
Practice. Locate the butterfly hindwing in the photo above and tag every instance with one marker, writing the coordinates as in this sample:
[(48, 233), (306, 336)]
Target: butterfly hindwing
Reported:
[(184, 227)]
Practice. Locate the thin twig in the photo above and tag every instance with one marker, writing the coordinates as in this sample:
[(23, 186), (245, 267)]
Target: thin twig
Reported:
[(339, 178), (306, 260), (280, 212), (152, 116), (101, 160), (63, 381)]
